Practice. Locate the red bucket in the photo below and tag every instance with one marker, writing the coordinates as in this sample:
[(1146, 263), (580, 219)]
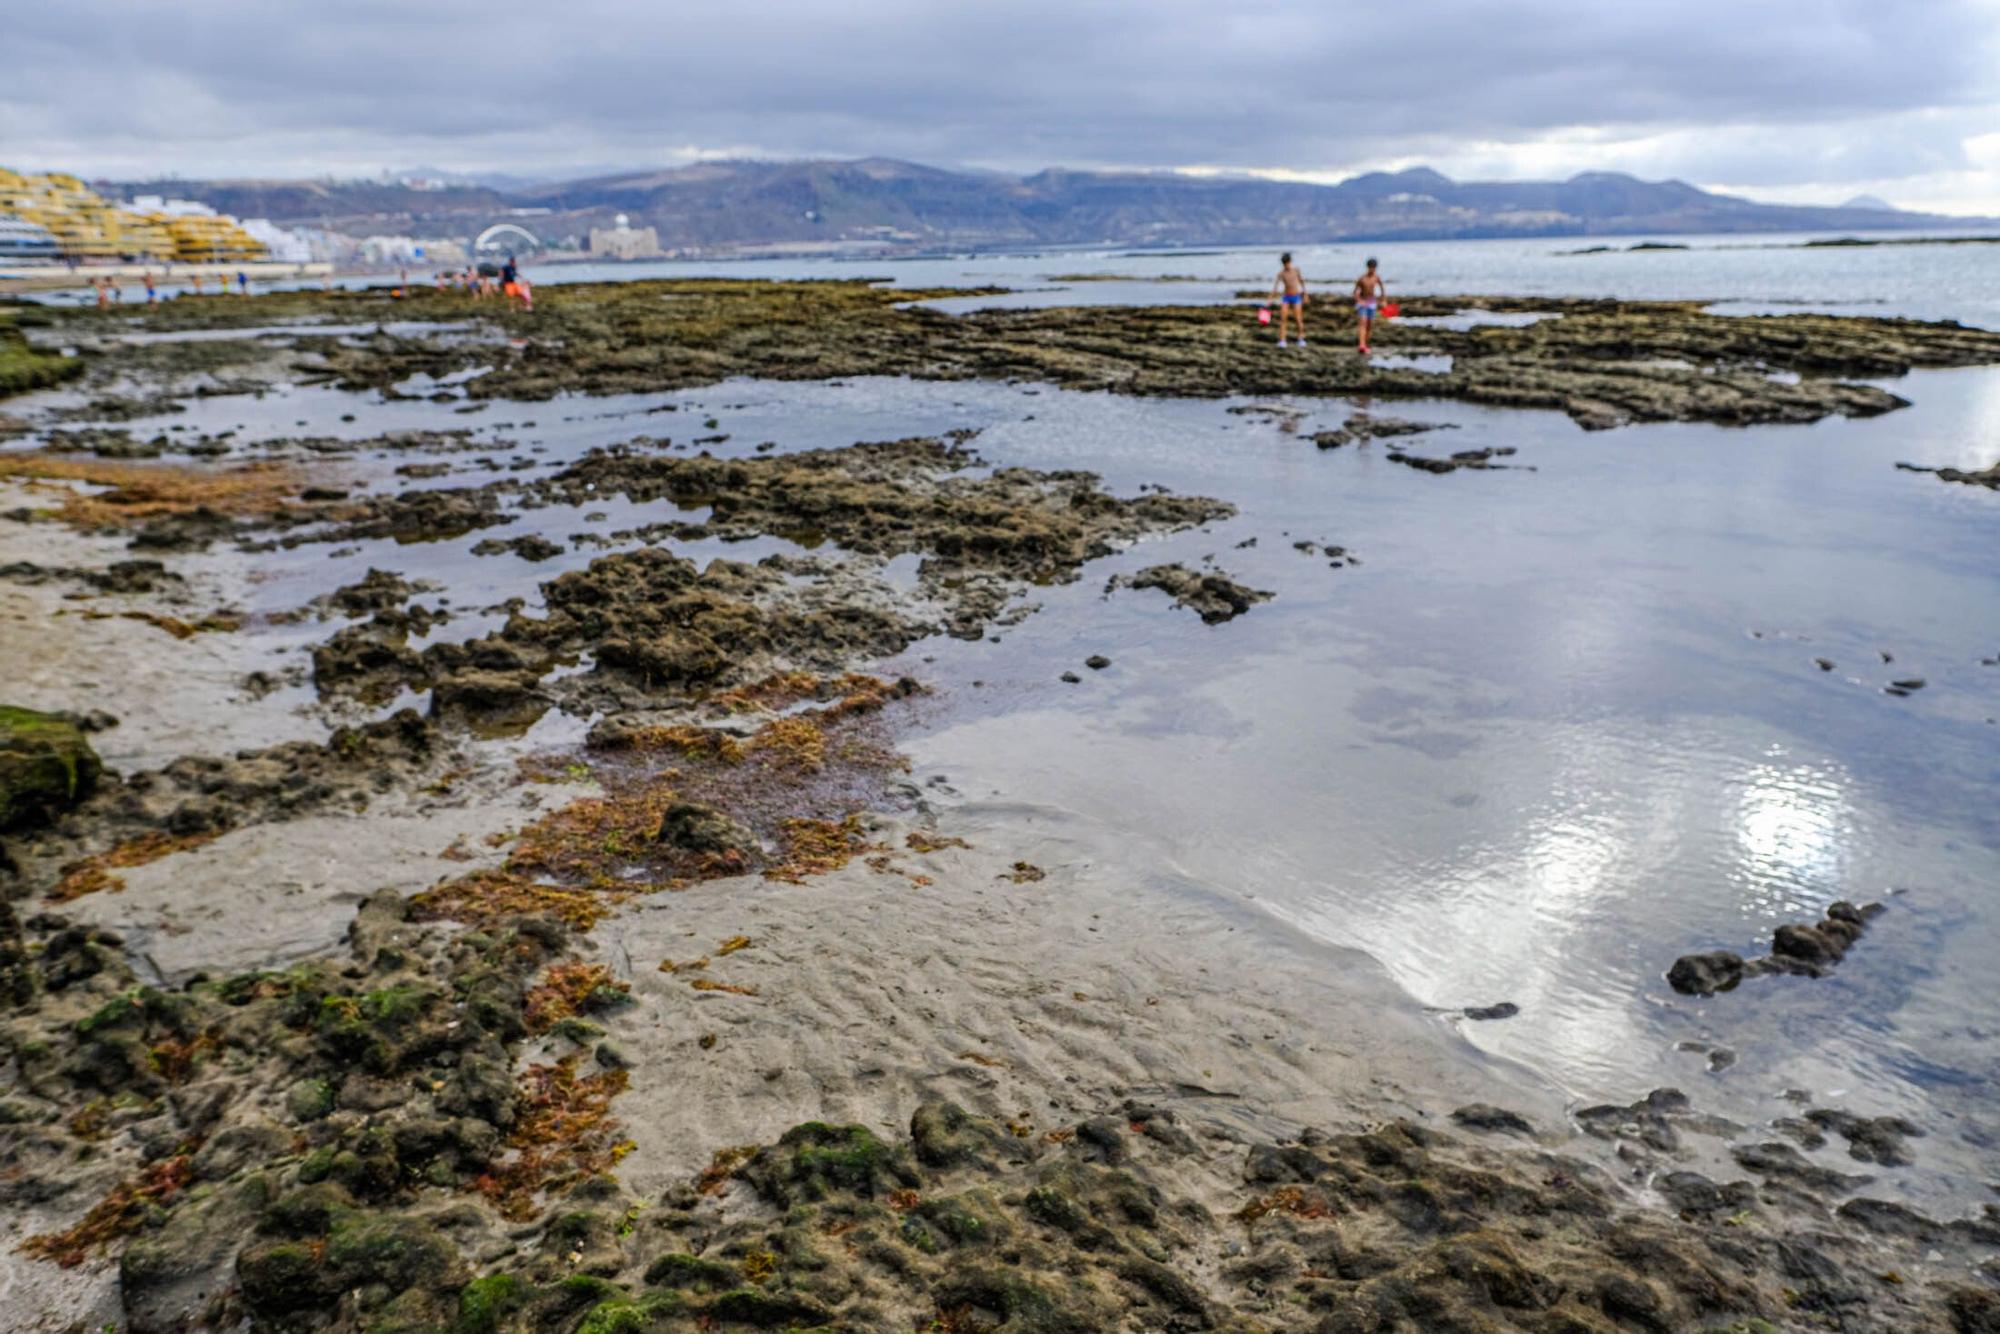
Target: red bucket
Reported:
[(1263, 314)]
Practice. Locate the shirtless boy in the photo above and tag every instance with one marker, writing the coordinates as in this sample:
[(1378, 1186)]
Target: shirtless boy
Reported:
[(1292, 284), (1368, 295)]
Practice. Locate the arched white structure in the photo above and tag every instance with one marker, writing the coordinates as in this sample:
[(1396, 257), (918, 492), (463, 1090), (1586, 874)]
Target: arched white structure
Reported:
[(486, 239)]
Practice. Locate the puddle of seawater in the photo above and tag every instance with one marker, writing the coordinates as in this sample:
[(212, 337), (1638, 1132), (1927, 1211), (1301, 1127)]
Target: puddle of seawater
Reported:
[(1558, 729), (1464, 321), (297, 329), (1430, 365)]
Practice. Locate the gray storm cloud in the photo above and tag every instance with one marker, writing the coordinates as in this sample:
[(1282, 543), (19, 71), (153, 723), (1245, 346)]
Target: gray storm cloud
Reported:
[(1873, 91)]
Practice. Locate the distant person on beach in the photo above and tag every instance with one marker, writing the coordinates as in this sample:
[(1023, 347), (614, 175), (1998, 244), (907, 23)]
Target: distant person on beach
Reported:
[(515, 286), (1290, 285), (242, 283), (103, 286), (1368, 296), (194, 282), (152, 296)]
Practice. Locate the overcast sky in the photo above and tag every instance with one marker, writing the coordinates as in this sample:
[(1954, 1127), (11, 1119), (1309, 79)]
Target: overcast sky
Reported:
[(1797, 100)]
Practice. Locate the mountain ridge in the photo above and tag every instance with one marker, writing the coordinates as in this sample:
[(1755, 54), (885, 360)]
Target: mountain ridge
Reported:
[(890, 204)]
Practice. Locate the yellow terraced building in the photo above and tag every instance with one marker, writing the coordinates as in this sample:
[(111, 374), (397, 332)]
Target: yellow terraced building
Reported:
[(87, 227)]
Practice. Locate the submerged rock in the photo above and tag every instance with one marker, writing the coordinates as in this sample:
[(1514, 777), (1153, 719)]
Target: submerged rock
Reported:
[(46, 766), (1478, 459), (1870, 1139), (1501, 1010), (105, 443), (1485, 1116), (378, 590), (1706, 974), (1807, 950), (1214, 597), (1361, 428), (1986, 477), (530, 546)]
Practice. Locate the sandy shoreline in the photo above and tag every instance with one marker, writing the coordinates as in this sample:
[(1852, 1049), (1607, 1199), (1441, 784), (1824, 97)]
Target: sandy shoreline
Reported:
[(1062, 1089)]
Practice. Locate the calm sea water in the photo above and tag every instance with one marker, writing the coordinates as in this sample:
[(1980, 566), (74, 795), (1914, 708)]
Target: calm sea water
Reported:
[(1557, 728), (1741, 274)]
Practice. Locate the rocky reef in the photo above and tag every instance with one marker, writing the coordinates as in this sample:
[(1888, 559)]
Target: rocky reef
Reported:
[(657, 625), (1603, 362), (1213, 596)]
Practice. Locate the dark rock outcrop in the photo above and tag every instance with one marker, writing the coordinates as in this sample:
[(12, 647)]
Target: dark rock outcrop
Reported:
[(1801, 949), (46, 766), (1214, 597)]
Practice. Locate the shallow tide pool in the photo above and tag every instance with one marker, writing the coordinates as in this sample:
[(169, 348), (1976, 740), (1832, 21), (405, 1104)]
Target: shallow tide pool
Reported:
[(1560, 724)]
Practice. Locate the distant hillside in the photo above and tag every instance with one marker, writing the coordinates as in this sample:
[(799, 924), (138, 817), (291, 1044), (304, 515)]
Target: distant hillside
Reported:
[(905, 206)]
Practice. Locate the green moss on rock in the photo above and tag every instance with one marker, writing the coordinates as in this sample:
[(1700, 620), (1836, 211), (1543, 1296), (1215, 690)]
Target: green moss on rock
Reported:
[(127, 1011), (680, 1270), (1047, 1204), (620, 1316), (1023, 1305), (485, 1302), (946, 1135), (815, 1161), (281, 1277), (46, 767), (969, 1219), (395, 1252), (767, 1310), (23, 367), (317, 1165), (310, 1099)]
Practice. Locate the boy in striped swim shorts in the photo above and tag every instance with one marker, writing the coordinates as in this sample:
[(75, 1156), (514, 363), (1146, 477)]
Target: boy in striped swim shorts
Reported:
[(1368, 295)]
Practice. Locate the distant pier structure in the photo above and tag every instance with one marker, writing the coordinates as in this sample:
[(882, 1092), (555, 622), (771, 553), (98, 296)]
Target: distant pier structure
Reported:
[(497, 237)]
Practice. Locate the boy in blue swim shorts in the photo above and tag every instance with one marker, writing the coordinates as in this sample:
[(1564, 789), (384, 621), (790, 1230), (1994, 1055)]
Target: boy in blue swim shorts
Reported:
[(1291, 284)]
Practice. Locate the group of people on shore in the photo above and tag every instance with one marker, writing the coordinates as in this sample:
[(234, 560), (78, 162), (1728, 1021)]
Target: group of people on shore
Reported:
[(1288, 290), (508, 283), (111, 293)]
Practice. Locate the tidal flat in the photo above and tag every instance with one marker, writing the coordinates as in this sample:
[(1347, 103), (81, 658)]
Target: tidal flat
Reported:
[(481, 854)]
